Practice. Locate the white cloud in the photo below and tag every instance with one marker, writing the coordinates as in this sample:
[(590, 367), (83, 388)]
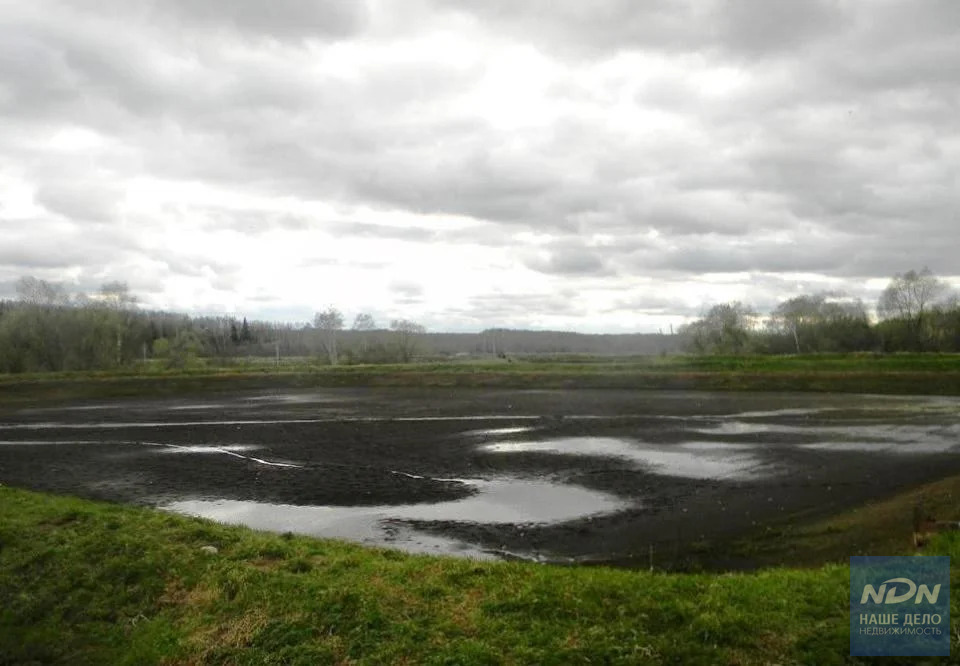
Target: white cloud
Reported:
[(472, 164)]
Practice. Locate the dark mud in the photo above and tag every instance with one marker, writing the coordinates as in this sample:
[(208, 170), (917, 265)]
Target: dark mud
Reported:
[(578, 476)]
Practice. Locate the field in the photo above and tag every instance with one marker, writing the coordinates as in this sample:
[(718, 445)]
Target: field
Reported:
[(673, 480), (465, 460)]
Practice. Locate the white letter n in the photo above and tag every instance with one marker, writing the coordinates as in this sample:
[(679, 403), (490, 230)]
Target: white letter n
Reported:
[(874, 595)]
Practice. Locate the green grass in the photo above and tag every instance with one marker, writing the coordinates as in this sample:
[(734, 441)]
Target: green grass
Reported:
[(91, 583), (857, 373)]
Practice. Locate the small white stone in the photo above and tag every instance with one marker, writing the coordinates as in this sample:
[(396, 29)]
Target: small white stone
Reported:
[(209, 550)]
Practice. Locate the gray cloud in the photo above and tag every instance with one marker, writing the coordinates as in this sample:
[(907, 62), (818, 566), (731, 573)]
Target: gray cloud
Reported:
[(672, 139), (278, 18), (88, 202), (748, 27), (368, 230), (517, 309), (411, 291), (570, 260)]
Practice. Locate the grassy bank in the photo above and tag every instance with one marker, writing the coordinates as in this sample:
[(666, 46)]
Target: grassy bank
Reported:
[(858, 373), (85, 582)]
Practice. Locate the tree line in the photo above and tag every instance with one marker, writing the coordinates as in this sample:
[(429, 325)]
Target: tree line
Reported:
[(916, 312), (46, 328)]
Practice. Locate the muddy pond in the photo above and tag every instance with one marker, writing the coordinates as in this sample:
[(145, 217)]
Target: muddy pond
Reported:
[(565, 476)]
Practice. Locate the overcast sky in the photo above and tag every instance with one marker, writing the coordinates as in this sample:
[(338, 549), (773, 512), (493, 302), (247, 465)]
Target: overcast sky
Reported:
[(596, 166)]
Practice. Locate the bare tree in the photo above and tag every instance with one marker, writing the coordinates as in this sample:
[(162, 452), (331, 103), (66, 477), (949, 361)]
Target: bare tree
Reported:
[(364, 325), (329, 321), (406, 333), (364, 322), (909, 297), (116, 297), (810, 312), (40, 292)]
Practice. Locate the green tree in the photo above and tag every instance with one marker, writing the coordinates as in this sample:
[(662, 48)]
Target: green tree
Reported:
[(828, 321), (724, 329), (180, 352)]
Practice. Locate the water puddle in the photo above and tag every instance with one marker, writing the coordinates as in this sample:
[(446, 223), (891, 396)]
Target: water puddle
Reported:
[(859, 437), (498, 501), (493, 432), (226, 450), (716, 446), (50, 442), (696, 460), (746, 428), (232, 450), (191, 408), (205, 448), (793, 411), (109, 425), (299, 399), (115, 425), (907, 448)]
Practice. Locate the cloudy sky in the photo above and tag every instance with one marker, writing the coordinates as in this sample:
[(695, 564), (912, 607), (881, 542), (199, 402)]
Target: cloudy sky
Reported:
[(596, 166)]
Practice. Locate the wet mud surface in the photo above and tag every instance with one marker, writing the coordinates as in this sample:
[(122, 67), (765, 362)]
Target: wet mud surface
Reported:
[(569, 476)]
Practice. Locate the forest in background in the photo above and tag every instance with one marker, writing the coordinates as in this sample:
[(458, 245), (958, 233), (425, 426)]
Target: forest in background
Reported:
[(916, 312), (48, 329)]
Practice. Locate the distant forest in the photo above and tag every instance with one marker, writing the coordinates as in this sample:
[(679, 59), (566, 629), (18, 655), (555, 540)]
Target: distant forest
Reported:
[(48, 329), (917, 312)]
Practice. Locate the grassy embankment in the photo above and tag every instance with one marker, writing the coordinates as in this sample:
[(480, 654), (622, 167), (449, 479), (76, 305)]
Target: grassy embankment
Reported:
[(82, 582), (859, 373), (86, 582)]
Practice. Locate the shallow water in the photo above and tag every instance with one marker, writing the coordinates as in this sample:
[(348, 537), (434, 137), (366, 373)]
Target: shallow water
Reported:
[(935, 438), (894, 447), (669, 463), (497, 501), (699, 460), (516, 430), (203, 448)]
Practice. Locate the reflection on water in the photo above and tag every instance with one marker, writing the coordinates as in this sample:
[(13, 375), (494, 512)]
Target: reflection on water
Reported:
[(498, 501), (696, 460), (298, 398), (190, 408), (48, 442), (717, 446), (515, 430), (202, 448), (912, 438), (911, 447)]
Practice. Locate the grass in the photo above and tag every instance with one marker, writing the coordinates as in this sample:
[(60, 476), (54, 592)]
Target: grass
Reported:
[(91, 583), (857, 373)]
